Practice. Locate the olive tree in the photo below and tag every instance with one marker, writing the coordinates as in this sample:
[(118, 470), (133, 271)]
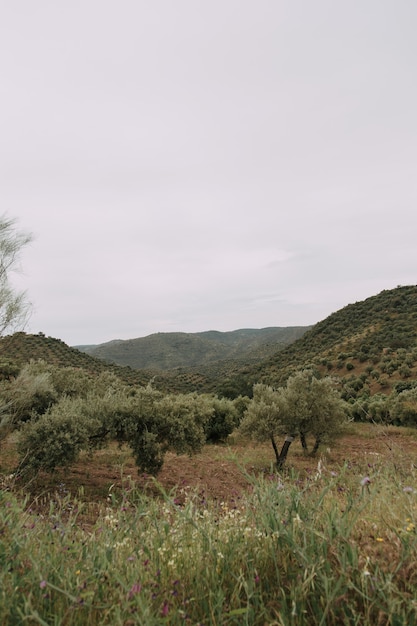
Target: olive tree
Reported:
[(404, 408), (306, 406), (264, 418), (150, 422), (56, 438), (158, 423), (223, 420), (314, 407)]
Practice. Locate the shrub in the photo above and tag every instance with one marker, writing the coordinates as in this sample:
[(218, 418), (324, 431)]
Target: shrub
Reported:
[(223, 420), (56, 438)]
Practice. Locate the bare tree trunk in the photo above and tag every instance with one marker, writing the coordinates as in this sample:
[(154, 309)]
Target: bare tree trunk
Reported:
[(304, 442), (274, 445), (284, 450), (316, 446)]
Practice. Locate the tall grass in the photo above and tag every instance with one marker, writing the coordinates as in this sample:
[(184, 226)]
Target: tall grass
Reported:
[(326, 549)]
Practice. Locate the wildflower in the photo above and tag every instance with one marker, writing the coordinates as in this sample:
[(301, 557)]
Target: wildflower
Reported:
[(42, 584), (365, 481), (136, 588), (380, 539), (165, 609)]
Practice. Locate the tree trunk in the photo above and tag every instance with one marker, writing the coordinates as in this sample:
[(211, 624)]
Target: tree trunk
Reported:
[(284, 450), (316, 446), (304, 442), (274, 445)]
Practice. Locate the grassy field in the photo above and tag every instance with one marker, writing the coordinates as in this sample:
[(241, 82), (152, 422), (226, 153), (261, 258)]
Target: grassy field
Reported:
[(219, 538)]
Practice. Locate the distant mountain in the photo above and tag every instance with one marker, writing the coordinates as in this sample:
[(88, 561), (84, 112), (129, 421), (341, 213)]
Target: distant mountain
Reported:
[(371, 346), (168, 351)]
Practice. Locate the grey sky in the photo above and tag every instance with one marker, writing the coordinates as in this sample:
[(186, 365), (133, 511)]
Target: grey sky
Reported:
[(197, 165)]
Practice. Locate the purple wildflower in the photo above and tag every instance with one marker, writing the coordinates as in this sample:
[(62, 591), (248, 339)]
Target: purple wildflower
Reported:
[(136, 588)]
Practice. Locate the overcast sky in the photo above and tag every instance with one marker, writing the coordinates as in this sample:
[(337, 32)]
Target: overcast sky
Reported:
[(187, 165)]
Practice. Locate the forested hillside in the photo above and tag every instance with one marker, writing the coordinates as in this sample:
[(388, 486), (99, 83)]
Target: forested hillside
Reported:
[(370, 345), (167, 351), (20, 348)]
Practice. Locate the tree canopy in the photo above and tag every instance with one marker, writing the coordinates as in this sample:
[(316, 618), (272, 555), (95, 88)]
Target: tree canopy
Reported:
[(306, 406), (14, 307)]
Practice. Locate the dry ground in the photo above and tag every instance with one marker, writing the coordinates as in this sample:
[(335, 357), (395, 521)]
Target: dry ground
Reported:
[(219, 472)]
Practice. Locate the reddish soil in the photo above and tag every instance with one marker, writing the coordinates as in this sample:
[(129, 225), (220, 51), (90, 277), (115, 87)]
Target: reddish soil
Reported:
[(218, 473)]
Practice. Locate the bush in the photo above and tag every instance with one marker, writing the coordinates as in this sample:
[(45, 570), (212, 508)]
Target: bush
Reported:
[(28, 395), (223, 420), (56, 438)]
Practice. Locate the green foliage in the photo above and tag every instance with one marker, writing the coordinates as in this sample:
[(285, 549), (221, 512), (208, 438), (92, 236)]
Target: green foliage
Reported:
[(376, 408), (8, 369), (168, 351), (28, 395), (306, 406), (223, 420), (56, 438), (14, 308), (70, 381), (265, 415), (160, 423), (310, 551), (378, 331), (404, 408), (314, 407), (21, 348), (150, 422)]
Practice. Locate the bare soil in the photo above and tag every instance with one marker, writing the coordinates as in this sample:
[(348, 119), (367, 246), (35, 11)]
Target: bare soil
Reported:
[(219, 472)]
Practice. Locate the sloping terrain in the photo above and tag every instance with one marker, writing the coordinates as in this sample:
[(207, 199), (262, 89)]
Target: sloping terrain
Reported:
[(167, 351), (20, 348), (371, 344)]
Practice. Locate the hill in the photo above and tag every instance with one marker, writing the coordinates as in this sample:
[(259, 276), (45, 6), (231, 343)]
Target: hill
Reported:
[(168, 351), (370, 345), (20, 348)]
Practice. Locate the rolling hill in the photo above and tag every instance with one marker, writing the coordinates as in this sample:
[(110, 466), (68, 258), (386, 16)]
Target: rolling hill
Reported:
[(20, 348), (371, 346), (168, 351)]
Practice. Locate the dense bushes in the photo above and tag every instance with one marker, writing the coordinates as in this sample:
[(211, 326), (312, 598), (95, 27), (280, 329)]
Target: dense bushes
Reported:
[(62, 411)]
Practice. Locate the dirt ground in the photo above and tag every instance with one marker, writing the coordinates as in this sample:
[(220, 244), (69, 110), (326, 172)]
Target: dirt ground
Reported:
[(220, 472)]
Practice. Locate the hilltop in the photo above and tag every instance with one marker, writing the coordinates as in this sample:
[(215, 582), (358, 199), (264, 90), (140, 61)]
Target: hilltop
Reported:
[(370, 345), (168, 351), (20, 348)]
